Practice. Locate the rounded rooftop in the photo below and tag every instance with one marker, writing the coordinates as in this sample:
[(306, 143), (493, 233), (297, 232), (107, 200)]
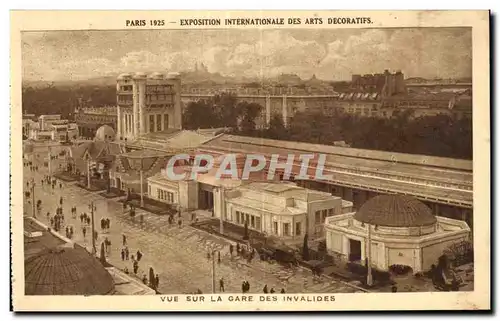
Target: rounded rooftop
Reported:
[(105, 133), (140, 75), (66, 271), (156, 75), (173, 75), (395, 211), (124, 76)]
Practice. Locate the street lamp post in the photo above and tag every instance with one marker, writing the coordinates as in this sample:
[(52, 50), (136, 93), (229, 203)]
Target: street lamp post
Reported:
[(50, 162), (88, 173), (222, 210), (33, 197), (213, 271), (92, 208), (142, 188)]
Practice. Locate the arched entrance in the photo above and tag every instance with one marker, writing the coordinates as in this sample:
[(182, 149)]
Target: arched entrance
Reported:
[(118, 182)]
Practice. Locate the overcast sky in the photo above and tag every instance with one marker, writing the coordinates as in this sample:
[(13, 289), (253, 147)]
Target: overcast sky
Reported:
[(329, 54)]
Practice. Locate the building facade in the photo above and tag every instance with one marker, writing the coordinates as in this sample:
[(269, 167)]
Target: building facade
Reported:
[(147, 104)]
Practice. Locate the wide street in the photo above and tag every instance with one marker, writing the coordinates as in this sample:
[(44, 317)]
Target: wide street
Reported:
[(178, 255)]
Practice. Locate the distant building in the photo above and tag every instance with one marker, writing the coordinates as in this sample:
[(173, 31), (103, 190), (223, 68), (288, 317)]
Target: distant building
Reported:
[(53, 128), (386, 96), (46, 121), (89, 119), (29, 121), (387, 84), (147, 104)]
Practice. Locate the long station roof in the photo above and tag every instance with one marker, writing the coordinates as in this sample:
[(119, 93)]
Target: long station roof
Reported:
[(436, 179)]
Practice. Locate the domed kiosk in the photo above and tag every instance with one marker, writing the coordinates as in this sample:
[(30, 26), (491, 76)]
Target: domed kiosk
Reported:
[(399, 229), (66, 271), (398, 211), (105, 133)]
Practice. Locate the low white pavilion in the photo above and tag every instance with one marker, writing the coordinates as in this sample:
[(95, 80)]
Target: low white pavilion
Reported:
[(398, 230)]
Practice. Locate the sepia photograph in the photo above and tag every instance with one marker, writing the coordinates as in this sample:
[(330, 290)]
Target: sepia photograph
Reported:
[(290, 164)]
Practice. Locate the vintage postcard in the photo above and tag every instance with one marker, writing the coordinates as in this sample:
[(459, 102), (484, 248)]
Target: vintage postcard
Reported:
[(250, 160)]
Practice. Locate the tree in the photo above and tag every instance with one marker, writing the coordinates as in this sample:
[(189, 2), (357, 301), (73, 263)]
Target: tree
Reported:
[(103, 255), (200, 114), (248, 112), (305, 249), (276, 129), (225, 107)]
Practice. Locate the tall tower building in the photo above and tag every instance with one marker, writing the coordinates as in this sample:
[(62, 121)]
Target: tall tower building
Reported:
[(147, 103)]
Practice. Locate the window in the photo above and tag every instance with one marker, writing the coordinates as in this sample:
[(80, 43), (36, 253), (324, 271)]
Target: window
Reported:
[(149, 189), (151, 123), (330, 212), (252, 221), (247, 216), (275, 227), (158, 123), (297, 228), (286, 229), (257, 223), (323, 216), (165, 120), (318, 216), (238, 217)]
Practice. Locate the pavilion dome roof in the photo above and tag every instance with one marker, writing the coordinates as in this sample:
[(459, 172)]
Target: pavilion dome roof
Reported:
[(105, 133), (66, 271), (395, 211)]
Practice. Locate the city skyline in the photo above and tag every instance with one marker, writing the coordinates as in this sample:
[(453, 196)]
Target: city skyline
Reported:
[(327, 54)]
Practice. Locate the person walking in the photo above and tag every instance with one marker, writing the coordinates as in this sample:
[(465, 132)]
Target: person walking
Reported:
[(218, 257), (272, 290), (231, 249), (84, 230), (123, 254), (265, 289), (126, 253), (208, 256), (136, 267), (221, 285), (139, 255), (124, 240), (282, 290), (157, 282)]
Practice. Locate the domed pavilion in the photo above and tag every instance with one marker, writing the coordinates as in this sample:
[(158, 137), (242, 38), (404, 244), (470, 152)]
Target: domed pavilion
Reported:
[(105, 133), (66, 271), (401, 230)]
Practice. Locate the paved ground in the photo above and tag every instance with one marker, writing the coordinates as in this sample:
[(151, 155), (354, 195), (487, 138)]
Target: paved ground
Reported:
[(178, 255)]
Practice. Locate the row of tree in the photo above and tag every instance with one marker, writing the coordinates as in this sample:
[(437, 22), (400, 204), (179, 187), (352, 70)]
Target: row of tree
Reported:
[(64, 99), (439, 135)]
